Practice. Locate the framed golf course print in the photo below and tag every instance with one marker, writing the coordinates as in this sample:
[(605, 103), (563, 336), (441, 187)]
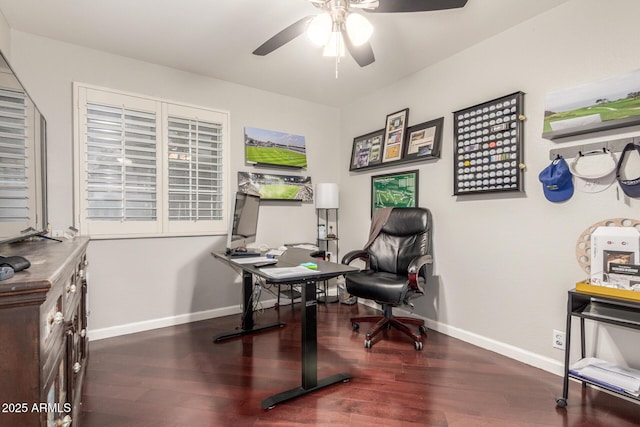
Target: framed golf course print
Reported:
[(397, 190)]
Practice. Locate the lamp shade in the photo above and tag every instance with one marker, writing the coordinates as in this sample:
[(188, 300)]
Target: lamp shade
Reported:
[(327, 196)]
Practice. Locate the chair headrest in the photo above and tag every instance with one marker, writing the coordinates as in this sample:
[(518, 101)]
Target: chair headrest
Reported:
[(407, 221)]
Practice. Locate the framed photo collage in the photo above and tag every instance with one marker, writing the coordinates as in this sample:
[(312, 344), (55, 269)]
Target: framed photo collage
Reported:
[(397, 143)]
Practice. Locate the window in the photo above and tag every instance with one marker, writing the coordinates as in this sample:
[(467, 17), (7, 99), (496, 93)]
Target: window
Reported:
[(148, 167)]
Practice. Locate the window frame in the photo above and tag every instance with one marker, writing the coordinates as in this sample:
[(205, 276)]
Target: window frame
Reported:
[(161, 226)]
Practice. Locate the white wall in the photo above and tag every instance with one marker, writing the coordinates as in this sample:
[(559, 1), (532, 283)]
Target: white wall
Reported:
[(142, 280), (503, 262), (5, 37)]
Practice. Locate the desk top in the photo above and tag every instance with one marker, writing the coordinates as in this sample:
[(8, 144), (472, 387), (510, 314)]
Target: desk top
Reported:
[(292, 258)]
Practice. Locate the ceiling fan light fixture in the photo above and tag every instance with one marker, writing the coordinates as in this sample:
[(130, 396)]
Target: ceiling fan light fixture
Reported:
[(335, 46), (359, 29), (319, 29)]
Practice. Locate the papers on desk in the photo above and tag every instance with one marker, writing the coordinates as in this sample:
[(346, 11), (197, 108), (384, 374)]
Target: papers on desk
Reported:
[(288, 272), (250, 259), (608, 375), (306, 246)]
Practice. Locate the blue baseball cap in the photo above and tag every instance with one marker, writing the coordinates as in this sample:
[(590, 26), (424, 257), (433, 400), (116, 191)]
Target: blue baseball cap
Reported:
[(557, 181)]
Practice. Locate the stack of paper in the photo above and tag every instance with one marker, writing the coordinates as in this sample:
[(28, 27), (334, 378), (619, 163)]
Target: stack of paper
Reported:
[(608, 375), (287, 272)]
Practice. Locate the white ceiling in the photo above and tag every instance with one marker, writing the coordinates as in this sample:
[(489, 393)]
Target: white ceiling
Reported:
[(216, 37)]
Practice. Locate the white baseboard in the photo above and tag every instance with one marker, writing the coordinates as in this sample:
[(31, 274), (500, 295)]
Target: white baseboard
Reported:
[(147, 325), (507, 350)]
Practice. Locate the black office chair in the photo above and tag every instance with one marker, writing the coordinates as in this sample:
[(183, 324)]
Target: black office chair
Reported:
[(395, 270)]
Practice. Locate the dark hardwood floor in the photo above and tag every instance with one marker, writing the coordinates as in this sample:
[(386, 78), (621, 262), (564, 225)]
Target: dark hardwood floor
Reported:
[(176, 376)]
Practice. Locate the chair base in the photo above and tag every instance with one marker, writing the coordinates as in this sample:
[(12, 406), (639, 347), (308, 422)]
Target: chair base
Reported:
[(388, 321)]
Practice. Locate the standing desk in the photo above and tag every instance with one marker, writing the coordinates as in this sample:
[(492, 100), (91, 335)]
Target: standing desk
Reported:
[(291, 258)]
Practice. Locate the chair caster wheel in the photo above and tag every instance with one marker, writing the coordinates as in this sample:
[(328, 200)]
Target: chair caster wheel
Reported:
[(355, 326), (423, 329), (561, 402), (417, 345), (367, 343)]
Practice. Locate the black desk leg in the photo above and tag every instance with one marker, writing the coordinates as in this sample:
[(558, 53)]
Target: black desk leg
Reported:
[(248, 326), (310, 380)]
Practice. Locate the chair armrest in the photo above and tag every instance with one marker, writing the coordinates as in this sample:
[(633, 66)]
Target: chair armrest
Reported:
[(349, 257), (414, 269)]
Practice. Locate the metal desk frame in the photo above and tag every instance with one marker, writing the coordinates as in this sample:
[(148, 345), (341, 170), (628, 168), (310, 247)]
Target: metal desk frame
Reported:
[(309, 352)]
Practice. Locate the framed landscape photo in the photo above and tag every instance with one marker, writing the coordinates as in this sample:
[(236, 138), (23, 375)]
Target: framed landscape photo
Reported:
[(367, 150), (276, 187), (605, 104), (424, 140), (273, 148), (397, 190), (394, 132)]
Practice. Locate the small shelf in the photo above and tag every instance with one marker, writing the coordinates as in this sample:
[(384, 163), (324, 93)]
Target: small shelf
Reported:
[(609, 313), (602, 386), (610, 310)]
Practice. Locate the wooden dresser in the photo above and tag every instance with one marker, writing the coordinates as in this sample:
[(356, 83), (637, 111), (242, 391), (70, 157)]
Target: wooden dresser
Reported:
[(43, 343)]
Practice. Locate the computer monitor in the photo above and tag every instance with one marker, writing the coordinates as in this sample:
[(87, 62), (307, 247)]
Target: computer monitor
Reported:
[(243, 222)]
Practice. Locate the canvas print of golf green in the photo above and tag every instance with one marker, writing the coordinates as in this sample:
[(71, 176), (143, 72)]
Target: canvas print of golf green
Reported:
[(274, 148), (604, 104), (276, 187)]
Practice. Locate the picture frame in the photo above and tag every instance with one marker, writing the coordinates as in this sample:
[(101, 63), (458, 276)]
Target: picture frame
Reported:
[(398, 189), (275, 149), (597, 106), (367, 150), (488, 147), (394, 133), (424, 140), (271, 186)]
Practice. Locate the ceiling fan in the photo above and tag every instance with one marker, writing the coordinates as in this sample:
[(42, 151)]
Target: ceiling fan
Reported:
[(338, 27)]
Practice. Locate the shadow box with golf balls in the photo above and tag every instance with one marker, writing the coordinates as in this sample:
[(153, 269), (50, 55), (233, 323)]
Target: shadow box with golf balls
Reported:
[(488, 146)]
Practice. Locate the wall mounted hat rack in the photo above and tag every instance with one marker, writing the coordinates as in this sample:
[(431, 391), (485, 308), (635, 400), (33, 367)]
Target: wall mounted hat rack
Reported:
[(615, 146)]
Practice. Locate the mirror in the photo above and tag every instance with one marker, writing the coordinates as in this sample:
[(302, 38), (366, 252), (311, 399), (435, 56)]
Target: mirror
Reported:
[(23, 200)]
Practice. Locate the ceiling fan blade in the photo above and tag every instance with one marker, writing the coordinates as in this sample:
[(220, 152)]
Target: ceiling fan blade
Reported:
[(283, 37), (396, 6), (362, 54)]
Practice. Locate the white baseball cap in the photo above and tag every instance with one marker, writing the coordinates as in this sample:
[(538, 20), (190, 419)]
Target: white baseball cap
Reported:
[(594, 171)]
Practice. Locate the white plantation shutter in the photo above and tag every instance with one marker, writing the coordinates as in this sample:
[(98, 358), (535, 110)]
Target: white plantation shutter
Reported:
[(148, 167), (195, 170), (121, 164), (14, 184)]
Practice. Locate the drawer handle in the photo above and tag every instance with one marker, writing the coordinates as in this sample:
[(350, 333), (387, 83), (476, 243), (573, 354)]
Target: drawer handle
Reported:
[(76, 367), (58, 318), (65, 422)]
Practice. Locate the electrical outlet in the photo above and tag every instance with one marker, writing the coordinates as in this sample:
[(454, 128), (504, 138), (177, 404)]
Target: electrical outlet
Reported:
[(559, 340)]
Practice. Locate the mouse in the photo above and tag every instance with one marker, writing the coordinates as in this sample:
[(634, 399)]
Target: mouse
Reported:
[(241, 249)]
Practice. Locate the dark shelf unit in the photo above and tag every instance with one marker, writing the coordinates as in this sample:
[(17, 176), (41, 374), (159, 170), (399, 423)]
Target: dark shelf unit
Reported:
[(602, 309), (325, 244)]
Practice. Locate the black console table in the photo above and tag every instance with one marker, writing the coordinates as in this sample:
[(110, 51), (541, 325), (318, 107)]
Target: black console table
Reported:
[(597, 308)]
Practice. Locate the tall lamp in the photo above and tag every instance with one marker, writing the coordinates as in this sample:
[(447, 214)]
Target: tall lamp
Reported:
[(327, 197)]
